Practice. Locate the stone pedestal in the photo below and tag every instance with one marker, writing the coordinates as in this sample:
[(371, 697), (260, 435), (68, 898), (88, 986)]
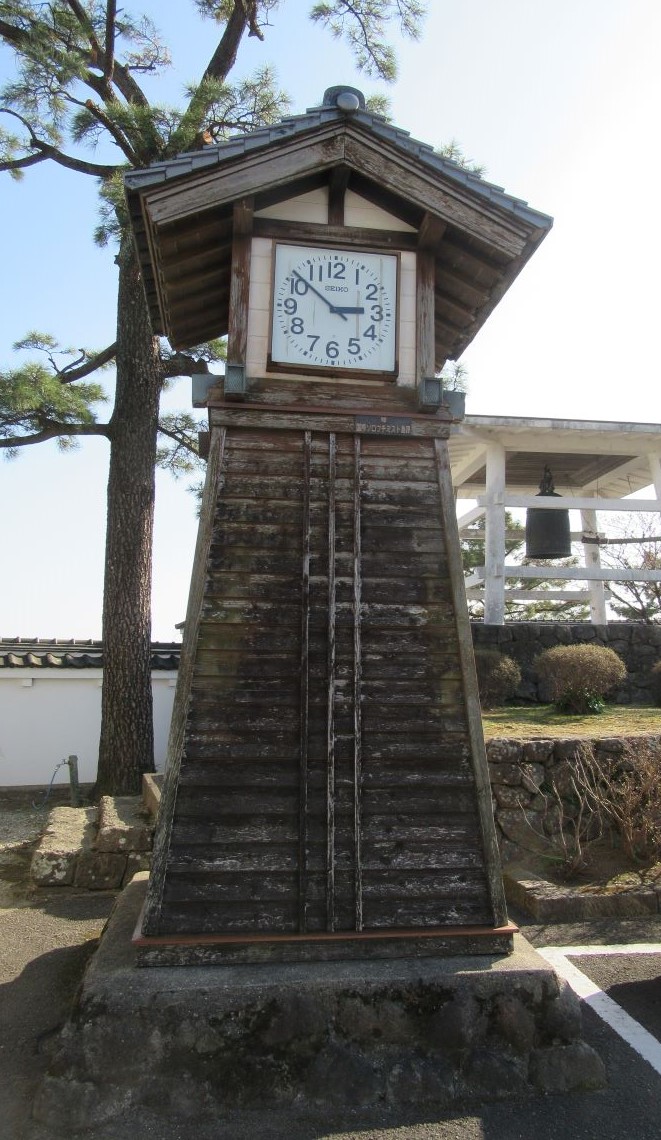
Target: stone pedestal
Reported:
[(200, 1042)]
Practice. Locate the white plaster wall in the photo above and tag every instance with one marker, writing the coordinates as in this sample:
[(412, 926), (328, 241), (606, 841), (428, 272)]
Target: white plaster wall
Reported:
[(46, 717)]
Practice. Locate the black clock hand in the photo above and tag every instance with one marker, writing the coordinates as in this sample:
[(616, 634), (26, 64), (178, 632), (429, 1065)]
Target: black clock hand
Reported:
[(342, 309), (312, 289)]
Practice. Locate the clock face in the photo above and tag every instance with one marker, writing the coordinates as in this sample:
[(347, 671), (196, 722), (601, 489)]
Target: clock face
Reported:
[(334, 309)]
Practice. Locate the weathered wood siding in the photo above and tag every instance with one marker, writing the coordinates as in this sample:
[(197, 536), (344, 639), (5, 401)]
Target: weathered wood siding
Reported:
[(326, 780)]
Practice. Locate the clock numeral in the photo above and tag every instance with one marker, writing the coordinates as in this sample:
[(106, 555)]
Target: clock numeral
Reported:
[(313, 339), (290, 306), (377, 313), (297, 326), (370, 333), (298, 285), (371, 292), (337, 270), (353, 345), (332, 350)]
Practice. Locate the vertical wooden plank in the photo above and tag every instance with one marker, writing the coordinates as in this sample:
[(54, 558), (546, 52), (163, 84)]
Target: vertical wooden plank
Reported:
[(304, 690), (337, 188), (330, 759), (357, 690), (237, 333), (215, 480), (425, 282), (469, 680)]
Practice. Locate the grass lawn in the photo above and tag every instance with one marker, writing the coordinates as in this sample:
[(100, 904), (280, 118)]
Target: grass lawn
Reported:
[(528, 721)]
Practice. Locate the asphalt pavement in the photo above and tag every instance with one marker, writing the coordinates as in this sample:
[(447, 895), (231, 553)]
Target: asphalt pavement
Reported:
[(47, 936)]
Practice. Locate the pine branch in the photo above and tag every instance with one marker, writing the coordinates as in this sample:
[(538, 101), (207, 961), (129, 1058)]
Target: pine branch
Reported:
[(74, 371), (114, 131), (47, 150), (109, 66), (54, 430), (224, 57)]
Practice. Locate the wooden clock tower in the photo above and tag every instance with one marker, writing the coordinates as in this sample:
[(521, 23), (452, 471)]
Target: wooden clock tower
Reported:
[(326, 793)]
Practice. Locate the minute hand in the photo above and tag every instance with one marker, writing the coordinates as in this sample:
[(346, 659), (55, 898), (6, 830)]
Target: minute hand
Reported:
[(312, 289)]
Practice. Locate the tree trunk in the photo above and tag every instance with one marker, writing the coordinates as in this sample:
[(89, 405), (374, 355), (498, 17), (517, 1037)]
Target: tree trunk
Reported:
[(126, 748)]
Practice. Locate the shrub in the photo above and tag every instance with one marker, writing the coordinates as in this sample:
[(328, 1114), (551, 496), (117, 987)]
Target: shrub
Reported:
[(578, 677), (656, 678), (498, 677)]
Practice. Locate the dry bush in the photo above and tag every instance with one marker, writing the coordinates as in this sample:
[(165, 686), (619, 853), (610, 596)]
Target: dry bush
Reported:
[(573, 817), (630, 798), (498, 677), (578, 677)]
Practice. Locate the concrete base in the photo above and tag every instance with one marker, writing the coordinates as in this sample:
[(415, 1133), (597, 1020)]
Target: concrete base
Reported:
[(195, 1042)]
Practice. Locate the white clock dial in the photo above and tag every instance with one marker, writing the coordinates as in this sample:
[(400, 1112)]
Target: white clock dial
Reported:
[(334, 309)]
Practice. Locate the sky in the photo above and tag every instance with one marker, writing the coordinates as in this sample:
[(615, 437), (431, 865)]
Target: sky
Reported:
[(560, 101)]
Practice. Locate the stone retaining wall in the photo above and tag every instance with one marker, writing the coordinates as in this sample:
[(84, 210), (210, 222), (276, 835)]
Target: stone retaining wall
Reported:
[(518, 769), (637, 644)]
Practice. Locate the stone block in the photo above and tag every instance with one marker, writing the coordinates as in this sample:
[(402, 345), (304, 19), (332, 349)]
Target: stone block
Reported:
[(152, 785), (532, 777), (135, 863), (100, 870), (123, 825), (68, 832), (509, 774), (537, 751)]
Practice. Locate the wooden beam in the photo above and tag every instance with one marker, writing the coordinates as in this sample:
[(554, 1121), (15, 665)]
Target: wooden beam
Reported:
[(431, 232), (335, 234), (494, 599), (337, 188), (237, 338), (425, 327)]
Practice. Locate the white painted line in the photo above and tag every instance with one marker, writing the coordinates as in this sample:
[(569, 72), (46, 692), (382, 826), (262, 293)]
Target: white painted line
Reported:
[(608, 1010)]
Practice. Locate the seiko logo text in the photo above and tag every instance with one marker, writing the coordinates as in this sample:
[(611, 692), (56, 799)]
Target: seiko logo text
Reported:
[(336, 288)]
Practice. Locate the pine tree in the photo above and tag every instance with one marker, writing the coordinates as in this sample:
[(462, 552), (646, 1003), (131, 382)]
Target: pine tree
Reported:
[(77, 83)]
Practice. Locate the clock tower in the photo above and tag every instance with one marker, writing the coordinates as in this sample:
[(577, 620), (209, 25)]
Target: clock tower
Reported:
[(327, 793)]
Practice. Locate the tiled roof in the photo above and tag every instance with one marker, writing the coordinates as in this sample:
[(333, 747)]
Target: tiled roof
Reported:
[(194, 162), (48, 653)]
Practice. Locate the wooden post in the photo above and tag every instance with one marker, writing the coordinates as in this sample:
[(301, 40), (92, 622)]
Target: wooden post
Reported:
[(592, 558), (494, 546), (237, 335)]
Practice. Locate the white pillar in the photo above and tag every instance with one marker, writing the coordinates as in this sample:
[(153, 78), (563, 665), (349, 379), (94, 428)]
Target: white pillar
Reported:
[(655, 468), (592, 557), (494, 545)]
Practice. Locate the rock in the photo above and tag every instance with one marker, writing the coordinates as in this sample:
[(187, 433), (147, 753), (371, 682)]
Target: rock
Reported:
[(574, 1067)]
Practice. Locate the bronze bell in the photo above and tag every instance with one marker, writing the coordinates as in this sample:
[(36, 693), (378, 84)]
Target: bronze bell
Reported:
[(548, 534)]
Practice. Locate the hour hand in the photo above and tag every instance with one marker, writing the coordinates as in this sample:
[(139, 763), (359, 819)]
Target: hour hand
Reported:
[(342, 309)]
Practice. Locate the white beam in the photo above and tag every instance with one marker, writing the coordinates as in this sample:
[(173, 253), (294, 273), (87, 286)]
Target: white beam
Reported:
[(494, 547), (583, 573), (567, 503), (471, 517)]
